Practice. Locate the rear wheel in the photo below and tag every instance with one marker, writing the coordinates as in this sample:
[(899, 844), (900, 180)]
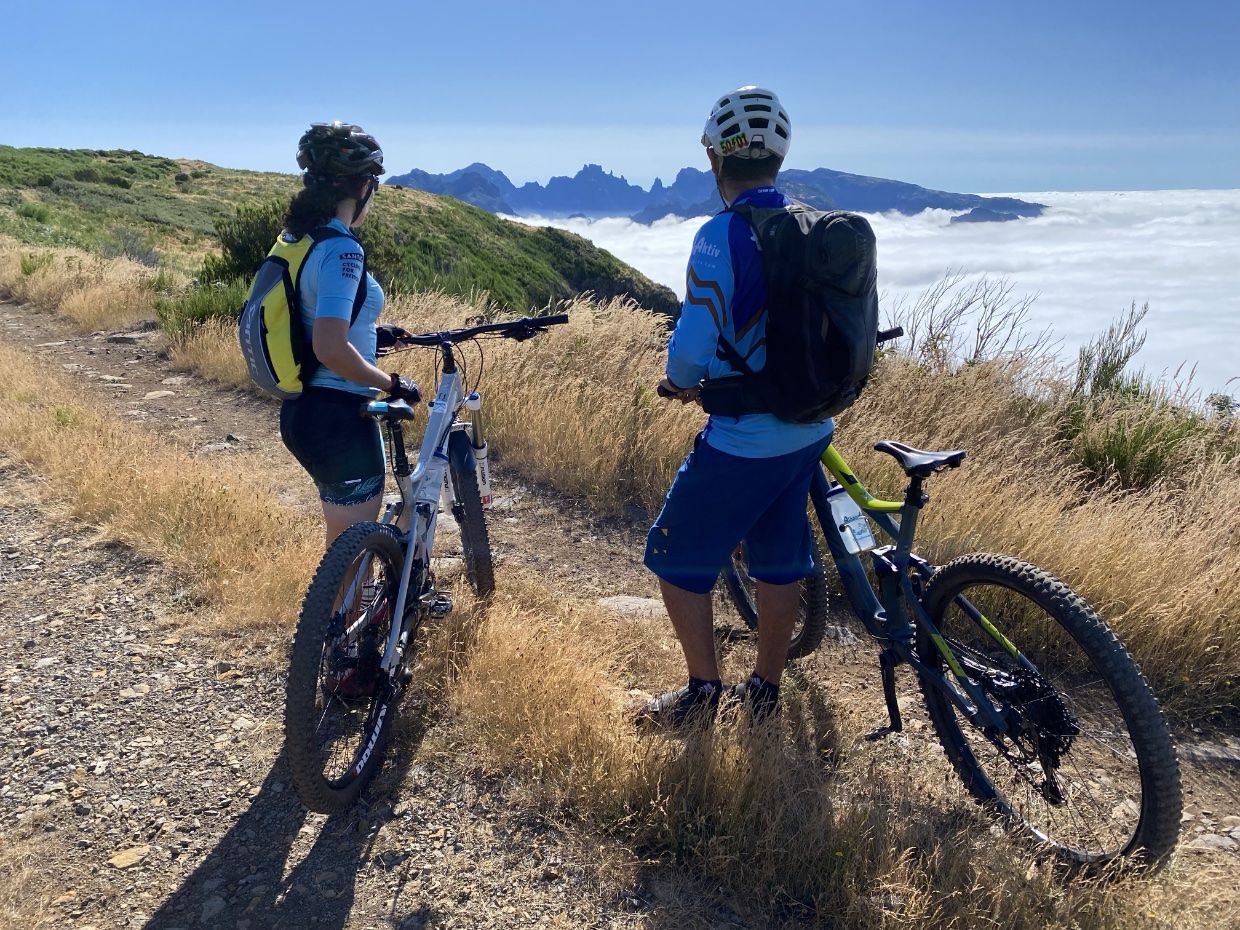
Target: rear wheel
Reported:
[(339, 703), (742, 594), (1086, 766), (469, 515)]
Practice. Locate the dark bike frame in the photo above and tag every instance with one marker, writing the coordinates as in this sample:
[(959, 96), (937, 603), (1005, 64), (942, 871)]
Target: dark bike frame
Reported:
[(902, 576)]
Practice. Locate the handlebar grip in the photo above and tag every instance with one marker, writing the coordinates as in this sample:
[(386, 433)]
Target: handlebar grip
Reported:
[(664, 392), (886, 335), (553, 320)]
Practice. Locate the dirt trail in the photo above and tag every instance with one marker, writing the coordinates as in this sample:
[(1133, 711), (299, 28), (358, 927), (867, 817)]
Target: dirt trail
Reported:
[(124, 733)]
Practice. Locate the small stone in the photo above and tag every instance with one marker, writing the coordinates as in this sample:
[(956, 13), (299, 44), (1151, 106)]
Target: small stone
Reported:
[(645, 607), (212, 908), (126, 858), (242, 724), (128, 339), (1212, 841), (46, 663), (156, 395)]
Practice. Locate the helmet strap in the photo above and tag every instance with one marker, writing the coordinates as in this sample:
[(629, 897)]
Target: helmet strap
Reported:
[(364, 199)]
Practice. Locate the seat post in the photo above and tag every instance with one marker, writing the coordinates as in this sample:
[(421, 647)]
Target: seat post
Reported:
[(914, 499)]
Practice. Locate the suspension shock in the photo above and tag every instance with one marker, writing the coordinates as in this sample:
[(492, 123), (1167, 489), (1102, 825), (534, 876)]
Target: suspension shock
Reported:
[(482, 468)]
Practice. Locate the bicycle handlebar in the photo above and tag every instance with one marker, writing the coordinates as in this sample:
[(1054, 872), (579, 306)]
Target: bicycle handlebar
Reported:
[(524, 328)]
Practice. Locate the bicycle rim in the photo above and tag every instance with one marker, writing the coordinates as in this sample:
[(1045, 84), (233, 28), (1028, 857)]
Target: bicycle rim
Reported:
[(353, 697), (1082, 794)]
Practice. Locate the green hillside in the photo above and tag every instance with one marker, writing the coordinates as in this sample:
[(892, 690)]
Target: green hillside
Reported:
[(161, 210)]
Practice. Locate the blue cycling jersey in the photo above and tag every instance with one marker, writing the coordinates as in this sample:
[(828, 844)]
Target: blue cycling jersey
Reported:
[(329, 282), (725, 295)]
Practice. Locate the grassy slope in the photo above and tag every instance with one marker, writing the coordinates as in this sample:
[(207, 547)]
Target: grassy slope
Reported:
[(123, 202)]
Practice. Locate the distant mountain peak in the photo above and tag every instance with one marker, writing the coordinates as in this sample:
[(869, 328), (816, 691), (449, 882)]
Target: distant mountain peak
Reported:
[(596, 192)]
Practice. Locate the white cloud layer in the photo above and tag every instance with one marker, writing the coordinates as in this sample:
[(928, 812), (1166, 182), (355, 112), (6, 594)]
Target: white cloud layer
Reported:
[(1087, 258)]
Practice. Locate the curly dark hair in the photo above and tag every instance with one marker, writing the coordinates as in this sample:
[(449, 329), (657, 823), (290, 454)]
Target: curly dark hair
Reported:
[(315, 204)]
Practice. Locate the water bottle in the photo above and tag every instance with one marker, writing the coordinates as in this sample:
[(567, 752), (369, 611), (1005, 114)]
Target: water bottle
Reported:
[(850, 521)]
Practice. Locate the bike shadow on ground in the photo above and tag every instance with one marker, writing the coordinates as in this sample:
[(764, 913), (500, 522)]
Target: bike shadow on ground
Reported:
[(242, 884)]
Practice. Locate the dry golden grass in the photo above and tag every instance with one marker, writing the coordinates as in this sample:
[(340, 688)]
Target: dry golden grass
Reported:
[(28, 885), (93, 293), (245, 554), (803, 817), (575, 408), (211, 351)]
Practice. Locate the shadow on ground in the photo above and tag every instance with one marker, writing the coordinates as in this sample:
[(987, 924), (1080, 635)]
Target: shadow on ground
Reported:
[(242, 884)]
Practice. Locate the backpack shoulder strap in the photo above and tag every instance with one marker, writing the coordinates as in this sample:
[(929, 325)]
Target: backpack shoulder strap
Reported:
[(322, 234)]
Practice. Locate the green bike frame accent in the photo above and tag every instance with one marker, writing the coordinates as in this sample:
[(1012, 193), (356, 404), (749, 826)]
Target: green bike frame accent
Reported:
[(840, 471)]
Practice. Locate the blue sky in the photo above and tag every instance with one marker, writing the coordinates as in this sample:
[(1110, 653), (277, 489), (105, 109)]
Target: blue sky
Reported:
[(973, 96)]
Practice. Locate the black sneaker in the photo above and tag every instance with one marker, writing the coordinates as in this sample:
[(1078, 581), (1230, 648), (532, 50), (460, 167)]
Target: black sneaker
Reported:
[(758, 696), (693, 705)]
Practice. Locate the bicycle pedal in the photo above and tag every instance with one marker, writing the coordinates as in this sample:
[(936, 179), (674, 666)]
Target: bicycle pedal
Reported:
[(441, 606)]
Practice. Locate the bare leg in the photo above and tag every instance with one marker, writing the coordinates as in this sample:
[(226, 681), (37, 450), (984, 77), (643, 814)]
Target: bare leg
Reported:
[(339, 518), (777, 615), (694, 624)]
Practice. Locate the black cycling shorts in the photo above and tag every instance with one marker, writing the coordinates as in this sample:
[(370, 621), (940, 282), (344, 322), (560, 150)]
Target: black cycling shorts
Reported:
[(341, 449)]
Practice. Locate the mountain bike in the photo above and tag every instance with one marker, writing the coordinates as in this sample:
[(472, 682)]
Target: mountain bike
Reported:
[(375, 587), (1061, 737), (1038, 706)]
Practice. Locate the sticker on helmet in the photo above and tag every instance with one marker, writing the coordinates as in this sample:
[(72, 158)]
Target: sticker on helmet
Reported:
[(732, 143)]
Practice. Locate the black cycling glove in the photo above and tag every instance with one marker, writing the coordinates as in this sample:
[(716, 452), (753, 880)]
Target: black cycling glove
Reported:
[(388, 337), (403, 388)]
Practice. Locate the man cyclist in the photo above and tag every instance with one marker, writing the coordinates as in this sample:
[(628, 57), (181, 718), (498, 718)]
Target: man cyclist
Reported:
[(747, 477)]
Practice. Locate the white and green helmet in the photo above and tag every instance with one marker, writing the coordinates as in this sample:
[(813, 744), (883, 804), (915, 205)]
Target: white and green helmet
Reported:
[(750, 122)]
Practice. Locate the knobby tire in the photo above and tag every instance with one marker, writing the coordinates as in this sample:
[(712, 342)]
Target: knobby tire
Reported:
[(314, 634), (1116, 678), (470, 517)]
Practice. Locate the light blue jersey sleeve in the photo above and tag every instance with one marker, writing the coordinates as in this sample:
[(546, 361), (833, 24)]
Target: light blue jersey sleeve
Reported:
[(329, 282), (340, 262), (709, 284)]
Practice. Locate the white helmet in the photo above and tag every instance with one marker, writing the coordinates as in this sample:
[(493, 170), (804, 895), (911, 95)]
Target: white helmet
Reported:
[(750, 122)]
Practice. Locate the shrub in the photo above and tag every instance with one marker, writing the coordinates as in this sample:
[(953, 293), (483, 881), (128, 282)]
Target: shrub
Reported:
[(34, 211), (131, 244), (245, 240), (44, 180), (181, 176), (212, 300), (90, 175), (198, 173), (34, 263), (117, 181)]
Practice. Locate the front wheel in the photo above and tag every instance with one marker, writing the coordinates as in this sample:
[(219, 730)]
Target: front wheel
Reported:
[(469, 515), (339, 703), (1085, 766)]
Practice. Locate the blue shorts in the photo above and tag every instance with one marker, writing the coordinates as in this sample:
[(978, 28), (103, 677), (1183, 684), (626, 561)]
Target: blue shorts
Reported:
[(718, 500)]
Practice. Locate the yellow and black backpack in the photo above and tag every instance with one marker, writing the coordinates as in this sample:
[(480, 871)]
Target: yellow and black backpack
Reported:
[(273, 340)]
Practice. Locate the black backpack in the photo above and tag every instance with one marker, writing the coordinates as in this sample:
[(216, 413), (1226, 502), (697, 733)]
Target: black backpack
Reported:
[(822, 317)]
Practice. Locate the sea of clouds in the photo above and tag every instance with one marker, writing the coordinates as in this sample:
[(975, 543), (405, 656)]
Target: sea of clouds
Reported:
[(1087, 259)]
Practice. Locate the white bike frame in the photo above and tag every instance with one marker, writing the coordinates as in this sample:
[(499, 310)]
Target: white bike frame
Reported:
[(420, 493)]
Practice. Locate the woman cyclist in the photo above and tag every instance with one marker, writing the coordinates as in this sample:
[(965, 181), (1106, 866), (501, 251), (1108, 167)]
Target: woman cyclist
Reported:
[(340, 302)]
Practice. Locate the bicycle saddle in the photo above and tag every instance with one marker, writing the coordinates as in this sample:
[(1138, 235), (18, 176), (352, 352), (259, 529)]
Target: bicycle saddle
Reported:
[(919, 464), (391, 409)]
